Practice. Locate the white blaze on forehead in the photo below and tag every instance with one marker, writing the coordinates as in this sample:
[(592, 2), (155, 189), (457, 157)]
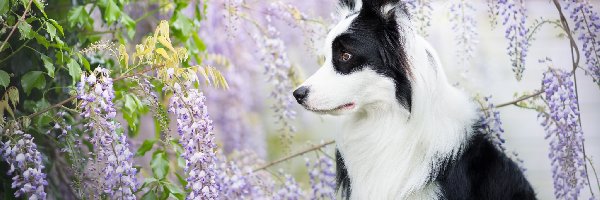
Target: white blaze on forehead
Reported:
[(337, 30)]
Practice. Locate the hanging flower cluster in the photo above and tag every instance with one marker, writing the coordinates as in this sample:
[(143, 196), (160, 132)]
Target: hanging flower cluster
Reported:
[(111, 148), (564, 131), (464, 25), (289, 190), (491, 125), (421, 12), (322, 178), (513, 16), (587, 25), (277, 67), (194, 127), (240, 182), (25, 162)]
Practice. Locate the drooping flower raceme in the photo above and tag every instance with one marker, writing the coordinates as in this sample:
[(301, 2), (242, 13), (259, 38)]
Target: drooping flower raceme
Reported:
[(240, 182), (277, 67), (194, 127), (464, 25), (491, 125), (234, 124), (289, 190), (322, 178), (113, 159), (587, 26), (514, 18), (25, 162), (421, 11), (565, 134)]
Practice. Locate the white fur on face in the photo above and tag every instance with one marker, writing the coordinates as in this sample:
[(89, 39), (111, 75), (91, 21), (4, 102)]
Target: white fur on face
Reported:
[(334, 93)]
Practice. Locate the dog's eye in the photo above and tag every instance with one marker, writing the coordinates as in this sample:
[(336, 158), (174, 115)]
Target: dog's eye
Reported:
[(346, 56)]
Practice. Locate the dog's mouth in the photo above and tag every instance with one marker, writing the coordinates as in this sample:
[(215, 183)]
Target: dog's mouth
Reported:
[(348, 106)]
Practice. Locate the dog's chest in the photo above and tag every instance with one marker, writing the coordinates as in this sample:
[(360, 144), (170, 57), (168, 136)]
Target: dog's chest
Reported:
[(383, 163)]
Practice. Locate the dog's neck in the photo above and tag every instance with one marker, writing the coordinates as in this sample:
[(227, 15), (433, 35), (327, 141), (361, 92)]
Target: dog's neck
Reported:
[(392, 154)]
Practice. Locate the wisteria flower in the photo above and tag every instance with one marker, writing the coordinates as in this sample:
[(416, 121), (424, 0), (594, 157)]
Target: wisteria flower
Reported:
[(25, 162), (111, 148), (491, 124), (514, 17), (565, 134), (587, 26), (322, 178), (195, 129)]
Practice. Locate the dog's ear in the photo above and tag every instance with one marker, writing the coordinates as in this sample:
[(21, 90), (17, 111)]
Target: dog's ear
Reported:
[(386, 9), (348, 4)]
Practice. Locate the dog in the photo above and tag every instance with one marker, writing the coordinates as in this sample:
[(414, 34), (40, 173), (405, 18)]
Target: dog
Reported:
[(408, 133)]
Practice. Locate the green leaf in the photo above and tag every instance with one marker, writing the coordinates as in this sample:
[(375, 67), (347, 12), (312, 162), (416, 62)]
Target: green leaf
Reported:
[(178, 196), (40, 6), (74, 70), (33, 79), (4, 7), (173, 188), (129, 24), (146, 146), (159, 164), (181, 179), (182, 25), (79, 16), (41, 40), (85, 62), (51, 30), (4, 79), (150, 195), (48, 65), (25, 30), (112, 12), (57, 26), (13, 96), (6, 45)]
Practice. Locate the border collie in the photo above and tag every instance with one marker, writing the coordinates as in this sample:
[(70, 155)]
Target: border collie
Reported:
[(408, 133)]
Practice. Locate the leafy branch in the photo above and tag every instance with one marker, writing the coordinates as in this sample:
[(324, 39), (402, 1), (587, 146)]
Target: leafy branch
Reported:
[(59, 104), (17, 24)]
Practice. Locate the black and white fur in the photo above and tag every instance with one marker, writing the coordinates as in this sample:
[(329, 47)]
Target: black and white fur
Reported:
[(408, 133)]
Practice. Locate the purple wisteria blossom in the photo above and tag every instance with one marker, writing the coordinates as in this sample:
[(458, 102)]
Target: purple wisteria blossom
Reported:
[(277, 66), (289, 190), (587, 26), (491, 125), (565, 134), (238, 181), (194, 127), (236, 124), (514, 16), (113, 159), (421, 11), (464, 25), (25, 162), (322, 178)]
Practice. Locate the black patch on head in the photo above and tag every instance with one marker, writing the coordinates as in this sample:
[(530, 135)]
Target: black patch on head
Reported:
[(431, 60), (374, 39)]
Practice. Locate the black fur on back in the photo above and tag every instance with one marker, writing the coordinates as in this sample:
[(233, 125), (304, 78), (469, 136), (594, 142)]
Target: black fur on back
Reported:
[(480, 172), (484, 172)]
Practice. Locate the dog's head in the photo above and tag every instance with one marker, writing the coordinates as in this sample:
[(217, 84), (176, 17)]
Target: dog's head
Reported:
[(365, 61)]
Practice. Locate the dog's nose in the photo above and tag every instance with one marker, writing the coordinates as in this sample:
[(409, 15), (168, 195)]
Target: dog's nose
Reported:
[(300, 94)]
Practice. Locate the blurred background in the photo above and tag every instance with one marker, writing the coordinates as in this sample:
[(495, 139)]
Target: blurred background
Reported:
[(488, 73), (264, 49)]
